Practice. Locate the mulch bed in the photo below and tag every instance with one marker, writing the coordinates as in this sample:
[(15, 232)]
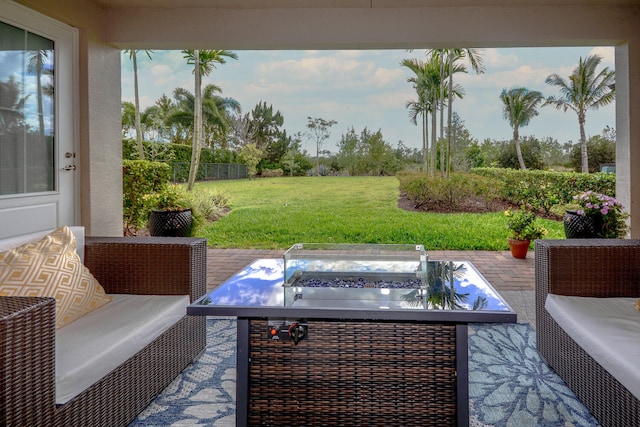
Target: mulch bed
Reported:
[(471, 205)]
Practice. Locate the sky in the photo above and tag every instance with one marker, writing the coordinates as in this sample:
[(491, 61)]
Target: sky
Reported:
[(369, 88)]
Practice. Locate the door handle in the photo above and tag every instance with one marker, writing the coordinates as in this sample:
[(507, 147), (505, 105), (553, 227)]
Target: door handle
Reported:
[(69, 167)]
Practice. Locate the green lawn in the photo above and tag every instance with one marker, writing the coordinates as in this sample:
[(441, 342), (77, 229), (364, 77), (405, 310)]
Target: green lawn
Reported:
[(275, 213)]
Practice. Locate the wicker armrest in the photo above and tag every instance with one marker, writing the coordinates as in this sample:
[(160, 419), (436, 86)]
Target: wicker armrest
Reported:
[(27, 361), (148, 265), (588, 267)]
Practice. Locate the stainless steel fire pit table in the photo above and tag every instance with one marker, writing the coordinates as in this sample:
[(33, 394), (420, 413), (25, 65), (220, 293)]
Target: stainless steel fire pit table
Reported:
[(354, 335)]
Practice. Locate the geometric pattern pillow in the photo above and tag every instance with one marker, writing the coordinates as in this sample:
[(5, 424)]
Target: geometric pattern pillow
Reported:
[(50, 267)]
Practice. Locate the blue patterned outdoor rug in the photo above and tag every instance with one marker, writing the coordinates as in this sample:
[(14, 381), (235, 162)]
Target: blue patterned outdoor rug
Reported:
[(509, 384)]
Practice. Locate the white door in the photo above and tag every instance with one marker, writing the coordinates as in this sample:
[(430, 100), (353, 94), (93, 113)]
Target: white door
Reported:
[(39, 168)]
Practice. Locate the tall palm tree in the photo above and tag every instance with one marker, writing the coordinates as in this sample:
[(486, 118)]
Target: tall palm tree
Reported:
[(448, 65), (520, 105), (427, 85), (204, 62), (133, 55), (586, 89), (475, 59), (423, 106)]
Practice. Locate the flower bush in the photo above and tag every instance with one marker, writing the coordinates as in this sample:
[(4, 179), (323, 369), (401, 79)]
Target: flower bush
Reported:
[(611, 211), (523, 225)]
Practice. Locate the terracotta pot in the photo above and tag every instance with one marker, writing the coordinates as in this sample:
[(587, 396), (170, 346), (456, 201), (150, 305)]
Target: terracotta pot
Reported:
[(519, 248)]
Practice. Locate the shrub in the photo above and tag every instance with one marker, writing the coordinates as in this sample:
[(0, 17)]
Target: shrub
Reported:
[(271, 173), (544, 189), (449, 193), (146, 186), (140, 178), (206, 205)]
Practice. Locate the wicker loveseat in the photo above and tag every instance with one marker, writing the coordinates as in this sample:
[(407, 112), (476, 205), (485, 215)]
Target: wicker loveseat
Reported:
[(608, 270), (122, 265)]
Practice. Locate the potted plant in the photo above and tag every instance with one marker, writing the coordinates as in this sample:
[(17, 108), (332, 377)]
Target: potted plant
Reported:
[(524, 227), (170, 212), (597, 216)]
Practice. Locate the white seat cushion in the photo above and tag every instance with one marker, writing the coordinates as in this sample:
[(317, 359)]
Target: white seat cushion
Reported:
[(97, 343), (608, 329)]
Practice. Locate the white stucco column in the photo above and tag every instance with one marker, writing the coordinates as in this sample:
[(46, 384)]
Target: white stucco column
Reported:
[(628, 131), (101, 141)]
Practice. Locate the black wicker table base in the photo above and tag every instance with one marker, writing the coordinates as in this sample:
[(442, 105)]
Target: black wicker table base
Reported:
[(353, 373)]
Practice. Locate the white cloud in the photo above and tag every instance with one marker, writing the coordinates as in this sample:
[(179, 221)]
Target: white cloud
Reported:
[(494, 58), (384, 77), (607, 53)]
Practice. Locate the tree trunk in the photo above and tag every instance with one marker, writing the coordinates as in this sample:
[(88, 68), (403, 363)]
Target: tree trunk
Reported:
[(137, 113), (425, 140), (583, 145), (516, 139), (441, 114), (434, 145), (449, 116), (197, 124), (317, 158)]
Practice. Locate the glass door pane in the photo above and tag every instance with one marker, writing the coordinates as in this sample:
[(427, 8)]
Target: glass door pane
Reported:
[(27, 117)]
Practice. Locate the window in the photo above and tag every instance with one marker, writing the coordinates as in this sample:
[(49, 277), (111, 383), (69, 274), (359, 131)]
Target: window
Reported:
[(27, 152)]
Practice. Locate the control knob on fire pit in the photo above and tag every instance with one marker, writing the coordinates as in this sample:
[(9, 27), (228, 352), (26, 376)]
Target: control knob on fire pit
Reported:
[(297, 332), (280, 330)]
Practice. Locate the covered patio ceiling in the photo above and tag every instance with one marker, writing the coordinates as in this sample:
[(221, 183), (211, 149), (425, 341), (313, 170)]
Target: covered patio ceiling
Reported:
[(362, 24)]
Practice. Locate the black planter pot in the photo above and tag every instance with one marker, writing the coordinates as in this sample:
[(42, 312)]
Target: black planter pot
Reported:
[(170, 223), (582, 226)]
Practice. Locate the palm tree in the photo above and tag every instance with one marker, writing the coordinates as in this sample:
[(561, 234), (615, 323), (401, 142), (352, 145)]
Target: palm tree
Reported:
[(476, 64), (216, 114), (448, 66), (204, 62), (216, 111), (133, 56), (423, 106), (447, 61), (165, 107), (586, 89), (520, 106)]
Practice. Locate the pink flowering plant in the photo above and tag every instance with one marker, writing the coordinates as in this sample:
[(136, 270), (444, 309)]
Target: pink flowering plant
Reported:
[(610, 210)]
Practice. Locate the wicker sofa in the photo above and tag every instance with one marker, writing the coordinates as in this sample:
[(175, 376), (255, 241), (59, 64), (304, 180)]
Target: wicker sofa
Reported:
[(600, 268), (122, 265)]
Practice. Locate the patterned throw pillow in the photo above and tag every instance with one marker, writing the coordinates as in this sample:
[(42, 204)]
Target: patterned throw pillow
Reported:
[(50, 267)]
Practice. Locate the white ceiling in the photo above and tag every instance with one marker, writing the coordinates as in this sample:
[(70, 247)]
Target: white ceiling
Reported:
[(291, 4)]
